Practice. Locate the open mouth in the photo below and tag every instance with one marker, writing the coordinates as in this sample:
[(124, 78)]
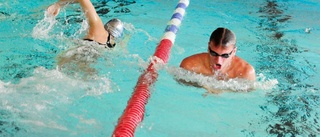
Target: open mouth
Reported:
[(217, 66)]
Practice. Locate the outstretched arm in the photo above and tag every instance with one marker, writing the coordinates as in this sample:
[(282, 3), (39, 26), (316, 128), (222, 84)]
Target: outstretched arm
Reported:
[(55, 8), (96, 27)]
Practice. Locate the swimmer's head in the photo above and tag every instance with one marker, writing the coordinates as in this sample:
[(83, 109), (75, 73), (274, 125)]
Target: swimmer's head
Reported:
[(114, 27), (221, 58), (224, 37)]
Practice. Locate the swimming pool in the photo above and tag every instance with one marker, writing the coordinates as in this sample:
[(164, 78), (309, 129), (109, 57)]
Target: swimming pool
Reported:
[(279, 38)]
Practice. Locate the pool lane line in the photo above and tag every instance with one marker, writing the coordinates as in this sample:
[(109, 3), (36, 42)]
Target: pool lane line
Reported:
[(134, 112)]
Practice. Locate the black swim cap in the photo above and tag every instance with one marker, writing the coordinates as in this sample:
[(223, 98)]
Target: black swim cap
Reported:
[(223, 36)]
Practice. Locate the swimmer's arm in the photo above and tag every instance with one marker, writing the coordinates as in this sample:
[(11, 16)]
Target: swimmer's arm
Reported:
[(54, 9), (88, 9), (96, 27), (65, 2)]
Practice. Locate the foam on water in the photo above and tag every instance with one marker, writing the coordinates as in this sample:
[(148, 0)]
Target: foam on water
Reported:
[(53, 83), (36, 100), (211, 82), (52, 27), (66, 102)]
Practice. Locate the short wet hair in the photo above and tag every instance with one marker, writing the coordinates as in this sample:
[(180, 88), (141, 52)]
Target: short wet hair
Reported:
[(223, 36)]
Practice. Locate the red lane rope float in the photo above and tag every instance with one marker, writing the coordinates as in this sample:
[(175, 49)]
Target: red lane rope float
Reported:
[(134, 112)]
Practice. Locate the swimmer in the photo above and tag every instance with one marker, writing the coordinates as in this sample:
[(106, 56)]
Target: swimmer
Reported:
[(99, 36), (104, 34), (220, 61)]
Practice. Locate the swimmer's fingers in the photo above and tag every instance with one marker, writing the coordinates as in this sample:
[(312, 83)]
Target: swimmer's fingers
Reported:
[(53, 9)]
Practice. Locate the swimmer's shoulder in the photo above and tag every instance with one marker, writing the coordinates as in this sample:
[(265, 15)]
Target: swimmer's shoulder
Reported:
[(247, 71), (193, 60)]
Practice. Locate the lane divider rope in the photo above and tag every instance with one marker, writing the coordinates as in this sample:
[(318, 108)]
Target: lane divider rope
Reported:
[(134, 112)]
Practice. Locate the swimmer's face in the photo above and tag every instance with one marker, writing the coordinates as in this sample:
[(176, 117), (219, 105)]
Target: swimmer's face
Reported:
[(220, 56)]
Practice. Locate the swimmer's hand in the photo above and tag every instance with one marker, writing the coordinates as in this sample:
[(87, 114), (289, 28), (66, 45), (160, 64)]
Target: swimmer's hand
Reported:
[(54, 9)]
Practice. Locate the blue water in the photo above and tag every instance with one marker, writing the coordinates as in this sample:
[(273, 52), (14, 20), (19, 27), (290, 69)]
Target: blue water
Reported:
[(278, 37)]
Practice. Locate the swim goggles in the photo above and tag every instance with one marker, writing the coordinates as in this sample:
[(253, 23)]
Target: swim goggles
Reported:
[(109, 44), (226, 55)]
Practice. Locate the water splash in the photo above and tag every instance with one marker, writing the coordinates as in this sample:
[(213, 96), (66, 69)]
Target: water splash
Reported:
[(83, 27), (131, 29), (40, 100), (211, 82), (44, 26), (55, 83), (78, 61)]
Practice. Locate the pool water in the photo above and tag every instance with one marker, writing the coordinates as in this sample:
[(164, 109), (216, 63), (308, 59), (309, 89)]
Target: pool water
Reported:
[(278, 37)]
